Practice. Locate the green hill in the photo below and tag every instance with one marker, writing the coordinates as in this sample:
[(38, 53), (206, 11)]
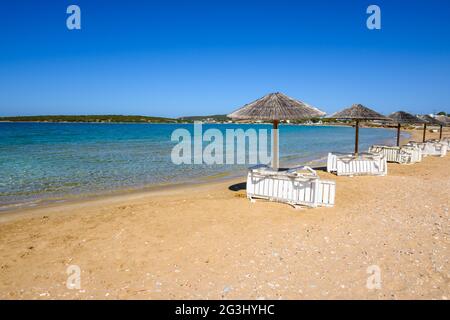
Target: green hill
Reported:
[(89, 118), (215, 117)]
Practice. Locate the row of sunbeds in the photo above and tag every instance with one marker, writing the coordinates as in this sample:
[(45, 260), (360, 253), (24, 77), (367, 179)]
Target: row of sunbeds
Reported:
[(302, 186)]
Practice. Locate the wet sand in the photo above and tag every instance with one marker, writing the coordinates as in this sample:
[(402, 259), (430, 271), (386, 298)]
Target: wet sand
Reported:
[(209, 242)]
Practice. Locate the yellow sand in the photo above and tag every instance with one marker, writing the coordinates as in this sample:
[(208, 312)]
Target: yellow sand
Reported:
[(210, 242)]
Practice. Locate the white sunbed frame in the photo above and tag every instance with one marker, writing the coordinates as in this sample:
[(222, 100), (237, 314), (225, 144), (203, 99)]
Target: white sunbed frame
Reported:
[(292, 187), (402, 155), (445, 141), (430, 148), (347, 164)]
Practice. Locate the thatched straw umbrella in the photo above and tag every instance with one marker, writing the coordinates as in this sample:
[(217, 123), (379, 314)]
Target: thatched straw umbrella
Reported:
[(358, 112), (433, 121), (275, 107), (445, 120), (402, 117)]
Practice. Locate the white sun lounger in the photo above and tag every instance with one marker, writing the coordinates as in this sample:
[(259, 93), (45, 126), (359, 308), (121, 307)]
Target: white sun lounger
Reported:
[(402, 155), (345, 164), (298, 186), (445, 141), (332, 160), (430, 148)]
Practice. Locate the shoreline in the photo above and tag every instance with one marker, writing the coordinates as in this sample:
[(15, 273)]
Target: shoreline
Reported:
[(209, 242), (151, 189), (42, 203), (115, 196)]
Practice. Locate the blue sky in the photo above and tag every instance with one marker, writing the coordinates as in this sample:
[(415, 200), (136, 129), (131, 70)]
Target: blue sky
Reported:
[(175, 58)]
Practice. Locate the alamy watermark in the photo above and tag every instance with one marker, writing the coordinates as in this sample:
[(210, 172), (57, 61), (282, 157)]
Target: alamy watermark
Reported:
[(74, 277), (374, 20), (374, 279), (214, 147), (73, 21)]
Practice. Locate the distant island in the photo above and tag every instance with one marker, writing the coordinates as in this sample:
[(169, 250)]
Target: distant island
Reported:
[(218, 118), (212, 118), (88, 118), (114, 119)]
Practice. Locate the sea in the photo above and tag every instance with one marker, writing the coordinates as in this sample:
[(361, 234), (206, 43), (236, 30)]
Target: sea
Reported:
[(42, 163)]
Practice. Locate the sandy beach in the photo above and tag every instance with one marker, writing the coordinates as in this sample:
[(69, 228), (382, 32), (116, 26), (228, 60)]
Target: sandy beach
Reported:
[(209, 242)]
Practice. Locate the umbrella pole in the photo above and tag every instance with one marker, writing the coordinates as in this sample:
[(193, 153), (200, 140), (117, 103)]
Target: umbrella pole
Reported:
[(424, 131), (398, 134), (356, 137), (440, 133), (275, 163)]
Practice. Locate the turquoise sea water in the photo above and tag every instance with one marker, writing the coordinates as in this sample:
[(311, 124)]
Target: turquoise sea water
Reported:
[(42, 162)]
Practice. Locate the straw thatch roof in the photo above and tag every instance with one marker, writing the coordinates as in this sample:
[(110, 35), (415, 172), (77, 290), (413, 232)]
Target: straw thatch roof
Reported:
[(276, 106), (405, 117), (358, 112), (444, 119), (432, 121)]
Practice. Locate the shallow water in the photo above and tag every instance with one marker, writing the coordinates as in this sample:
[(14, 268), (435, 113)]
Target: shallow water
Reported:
[(42, 162)]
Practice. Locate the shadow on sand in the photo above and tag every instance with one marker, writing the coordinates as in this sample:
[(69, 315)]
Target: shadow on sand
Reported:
[(320, 168), (238, 186)]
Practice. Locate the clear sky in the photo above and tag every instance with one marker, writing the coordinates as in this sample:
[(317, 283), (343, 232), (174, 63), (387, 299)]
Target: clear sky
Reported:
[(174, 58)]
